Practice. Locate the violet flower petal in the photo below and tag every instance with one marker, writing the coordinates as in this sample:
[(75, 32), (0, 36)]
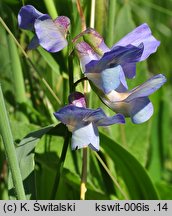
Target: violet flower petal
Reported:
[(117, 56), (141, 34), (141, 109), (49, 35), (129, 70), (85, 54), (27, 16), (106, 121), (147, 88)]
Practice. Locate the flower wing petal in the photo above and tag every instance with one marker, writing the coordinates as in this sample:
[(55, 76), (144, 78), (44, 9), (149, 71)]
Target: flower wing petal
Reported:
[(49, 35), (147, 88), (106, 121)]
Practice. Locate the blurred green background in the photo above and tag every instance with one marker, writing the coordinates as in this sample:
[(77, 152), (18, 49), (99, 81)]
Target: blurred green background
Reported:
[(138, 156)]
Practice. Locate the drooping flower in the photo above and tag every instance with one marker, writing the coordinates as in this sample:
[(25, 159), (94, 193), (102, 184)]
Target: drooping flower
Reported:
[(107, 73), (50, 34), (135, 103), (83, 122), (141, 37)]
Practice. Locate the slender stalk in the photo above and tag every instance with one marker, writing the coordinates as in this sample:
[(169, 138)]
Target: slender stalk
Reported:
[(7, 138), (79, 81), (111, 22), (51, 8), (70, 71), (60, 164), (83, 188), (84, 159), (112, 177), (30, 62)]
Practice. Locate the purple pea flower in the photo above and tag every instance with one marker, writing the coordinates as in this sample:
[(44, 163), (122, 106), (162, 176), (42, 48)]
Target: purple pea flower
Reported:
[(83, 122), (107, 72), (50, 34), (121, 53)]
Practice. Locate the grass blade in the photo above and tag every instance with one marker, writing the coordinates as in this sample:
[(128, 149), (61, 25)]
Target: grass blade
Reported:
[(7, 137)]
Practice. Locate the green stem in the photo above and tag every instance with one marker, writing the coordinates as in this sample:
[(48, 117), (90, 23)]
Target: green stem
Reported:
[(60, 164), (70, 71), (111, 22), (51, 8), (9, 147)]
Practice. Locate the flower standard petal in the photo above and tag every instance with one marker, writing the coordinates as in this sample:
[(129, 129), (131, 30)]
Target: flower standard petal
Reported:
[(85, 54), (141, 34), (50, 35), (27, 16), (117, 56)]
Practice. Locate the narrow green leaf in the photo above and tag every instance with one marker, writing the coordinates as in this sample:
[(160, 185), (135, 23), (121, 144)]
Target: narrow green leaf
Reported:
[(51, 8), (18, 80), (110, 30), (7, 137)]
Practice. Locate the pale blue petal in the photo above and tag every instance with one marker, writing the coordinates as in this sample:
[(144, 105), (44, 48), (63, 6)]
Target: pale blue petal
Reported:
[(107, 80), (49, 35), (141, 109), (85, 136)]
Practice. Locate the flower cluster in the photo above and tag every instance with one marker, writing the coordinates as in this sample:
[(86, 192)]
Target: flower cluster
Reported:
[(107, 70)]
